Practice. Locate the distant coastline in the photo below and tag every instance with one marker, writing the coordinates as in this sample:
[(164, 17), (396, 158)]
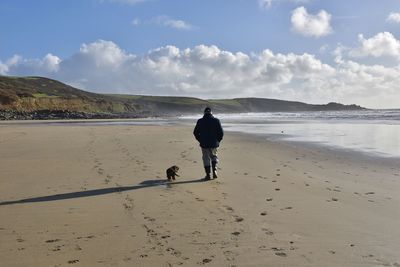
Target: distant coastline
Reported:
[(38, 98)]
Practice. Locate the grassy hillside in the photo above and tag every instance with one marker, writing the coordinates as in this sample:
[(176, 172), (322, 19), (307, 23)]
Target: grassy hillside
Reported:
[(36, 93), (33, 94), (163, 104)]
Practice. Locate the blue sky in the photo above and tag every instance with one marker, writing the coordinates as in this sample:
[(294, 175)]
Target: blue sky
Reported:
[(32, 30)]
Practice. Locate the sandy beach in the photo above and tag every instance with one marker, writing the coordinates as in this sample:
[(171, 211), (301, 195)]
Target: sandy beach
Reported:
[(91, 195)]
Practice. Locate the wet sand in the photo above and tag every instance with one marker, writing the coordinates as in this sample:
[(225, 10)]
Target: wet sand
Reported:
[(97, 196)]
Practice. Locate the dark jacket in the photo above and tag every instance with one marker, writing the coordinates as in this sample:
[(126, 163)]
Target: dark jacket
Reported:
[(208, 131)]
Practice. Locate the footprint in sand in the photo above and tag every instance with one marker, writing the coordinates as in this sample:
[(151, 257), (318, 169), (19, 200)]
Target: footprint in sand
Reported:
[(238, 219), (174, 252), (281, 254), (229, 255), (127, 259), (58, 248), (221, 220), (206, 260), (127, 206), (229, 208), (52, 240), (86, 237), (196, 233), (267, 231), (370, 256), (149, 219)]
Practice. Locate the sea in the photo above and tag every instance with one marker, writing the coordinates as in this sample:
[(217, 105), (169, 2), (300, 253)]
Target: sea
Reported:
[(373, 132)]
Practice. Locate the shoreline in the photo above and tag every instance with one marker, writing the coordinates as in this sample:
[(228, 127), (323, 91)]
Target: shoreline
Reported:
[(326, 148), (166, 121)]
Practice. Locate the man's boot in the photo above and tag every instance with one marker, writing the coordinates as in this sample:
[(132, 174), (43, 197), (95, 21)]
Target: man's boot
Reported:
[(208, 171), (214, 169)]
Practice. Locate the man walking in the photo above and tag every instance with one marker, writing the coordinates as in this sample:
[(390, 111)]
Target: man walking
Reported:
[(209, 133)]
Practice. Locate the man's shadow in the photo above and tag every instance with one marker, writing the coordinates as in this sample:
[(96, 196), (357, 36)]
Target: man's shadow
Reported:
[(102, 191)]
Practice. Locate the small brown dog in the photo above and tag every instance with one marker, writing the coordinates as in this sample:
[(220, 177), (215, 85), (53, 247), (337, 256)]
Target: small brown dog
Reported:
[(172, 172)]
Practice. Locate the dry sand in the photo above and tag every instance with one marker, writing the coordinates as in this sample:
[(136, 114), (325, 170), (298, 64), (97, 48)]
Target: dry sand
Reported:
[(96, 196)]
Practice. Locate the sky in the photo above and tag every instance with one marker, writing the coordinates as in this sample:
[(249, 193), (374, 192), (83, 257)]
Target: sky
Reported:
[(315, 51)]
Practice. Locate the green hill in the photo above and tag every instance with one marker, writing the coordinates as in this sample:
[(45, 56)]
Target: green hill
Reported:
[(30, 96)]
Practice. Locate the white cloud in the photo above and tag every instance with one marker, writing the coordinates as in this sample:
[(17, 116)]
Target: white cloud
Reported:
[(48, 65), (209, 72), (103, 53), (383, 44), (51, 63), (266, 4), (3, 68), (172, 23), (393, 17), (311, 25)]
